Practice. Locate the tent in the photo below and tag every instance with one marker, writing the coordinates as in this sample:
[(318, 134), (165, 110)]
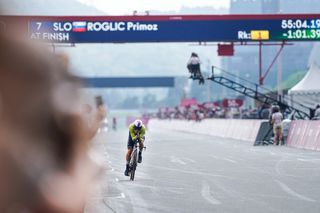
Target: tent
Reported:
[(307, 91)]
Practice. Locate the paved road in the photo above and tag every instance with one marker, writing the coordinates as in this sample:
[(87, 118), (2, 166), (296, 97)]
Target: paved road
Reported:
[(184, 172)]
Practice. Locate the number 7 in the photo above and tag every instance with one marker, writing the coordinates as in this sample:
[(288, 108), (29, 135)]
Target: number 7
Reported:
[(39, 25)]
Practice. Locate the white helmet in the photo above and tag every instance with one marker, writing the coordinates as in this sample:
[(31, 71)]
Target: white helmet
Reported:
[(138, 124)]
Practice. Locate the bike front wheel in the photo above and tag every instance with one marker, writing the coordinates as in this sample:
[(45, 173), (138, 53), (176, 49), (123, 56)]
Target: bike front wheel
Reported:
[(132, 173)]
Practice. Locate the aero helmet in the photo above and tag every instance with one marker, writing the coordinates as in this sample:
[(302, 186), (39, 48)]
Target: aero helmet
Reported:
[(138, 124)]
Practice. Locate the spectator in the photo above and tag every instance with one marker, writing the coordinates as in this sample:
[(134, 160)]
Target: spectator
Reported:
[(276, 121), (114, 123), (43, 152), (264, 112), (286, 126)]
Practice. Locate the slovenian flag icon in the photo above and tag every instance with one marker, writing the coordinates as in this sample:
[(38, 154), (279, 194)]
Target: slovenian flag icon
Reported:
[(79, 26)]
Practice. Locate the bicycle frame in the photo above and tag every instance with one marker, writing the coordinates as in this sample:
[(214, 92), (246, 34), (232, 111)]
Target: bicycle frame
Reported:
[(133, 160)]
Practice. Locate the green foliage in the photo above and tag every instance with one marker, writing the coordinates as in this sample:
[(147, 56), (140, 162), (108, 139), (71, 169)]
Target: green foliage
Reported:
[(293, 79)]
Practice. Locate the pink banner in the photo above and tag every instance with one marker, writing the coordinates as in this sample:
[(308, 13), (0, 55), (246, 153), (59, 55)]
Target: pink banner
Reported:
[(305, 135), (188, 102), (232, 102)]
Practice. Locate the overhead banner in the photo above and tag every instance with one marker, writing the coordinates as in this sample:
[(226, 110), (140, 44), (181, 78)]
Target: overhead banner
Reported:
[(192, 28)]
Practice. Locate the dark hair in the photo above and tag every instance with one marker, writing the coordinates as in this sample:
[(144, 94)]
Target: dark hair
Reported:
[(276, 108), (194, 54)]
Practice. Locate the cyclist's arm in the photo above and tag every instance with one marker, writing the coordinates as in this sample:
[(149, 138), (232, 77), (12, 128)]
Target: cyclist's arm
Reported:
[(132, 134), (142, 133)]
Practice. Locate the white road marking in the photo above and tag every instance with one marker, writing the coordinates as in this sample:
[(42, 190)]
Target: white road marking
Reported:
[(189, 159), (226, 159), (123, 195), (290, 191), (174, 159), (308, 160), (191, 172), (207, 195)]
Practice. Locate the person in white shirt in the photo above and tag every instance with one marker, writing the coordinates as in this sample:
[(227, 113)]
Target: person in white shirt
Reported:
[(277, 126), (285, 129), (193, 64)]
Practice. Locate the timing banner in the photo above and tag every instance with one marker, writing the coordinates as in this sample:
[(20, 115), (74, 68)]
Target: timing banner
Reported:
[(188, 28)]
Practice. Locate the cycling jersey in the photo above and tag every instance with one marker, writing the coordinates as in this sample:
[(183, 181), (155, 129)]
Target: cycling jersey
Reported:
[(133, 134)]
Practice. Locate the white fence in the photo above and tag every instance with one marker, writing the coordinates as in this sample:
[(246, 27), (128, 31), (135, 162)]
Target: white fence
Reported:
[(246, 130)]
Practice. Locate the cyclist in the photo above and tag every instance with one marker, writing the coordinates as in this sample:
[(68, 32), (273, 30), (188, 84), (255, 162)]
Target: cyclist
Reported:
[(137, 131)]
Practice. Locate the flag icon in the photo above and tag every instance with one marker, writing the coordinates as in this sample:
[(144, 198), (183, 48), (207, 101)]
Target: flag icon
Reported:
[(79, 26)]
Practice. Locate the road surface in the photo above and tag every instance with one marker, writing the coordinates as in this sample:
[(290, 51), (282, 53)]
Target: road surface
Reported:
[(183, 172)]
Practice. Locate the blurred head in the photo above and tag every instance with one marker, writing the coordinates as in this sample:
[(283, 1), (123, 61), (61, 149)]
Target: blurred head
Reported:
[(276, 108), (137, 124), (194, 54), (43, 150)]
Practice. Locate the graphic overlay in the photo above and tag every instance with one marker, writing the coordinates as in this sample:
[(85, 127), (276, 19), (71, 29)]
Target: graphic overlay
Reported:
[(301, 29), (126, 29)]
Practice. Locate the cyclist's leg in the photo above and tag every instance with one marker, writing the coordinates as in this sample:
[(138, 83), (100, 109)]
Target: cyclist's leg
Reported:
[(141, 145), (130, 145), (128, 155)]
